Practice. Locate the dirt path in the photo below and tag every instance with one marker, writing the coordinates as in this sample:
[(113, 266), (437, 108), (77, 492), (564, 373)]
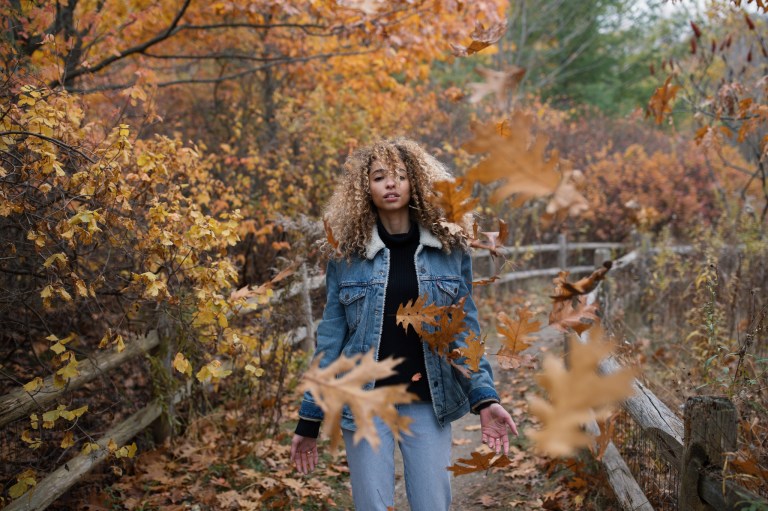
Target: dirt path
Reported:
[(524, 484)]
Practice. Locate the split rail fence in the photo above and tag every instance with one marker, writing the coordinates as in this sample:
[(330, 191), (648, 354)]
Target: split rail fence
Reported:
[(686, 446)]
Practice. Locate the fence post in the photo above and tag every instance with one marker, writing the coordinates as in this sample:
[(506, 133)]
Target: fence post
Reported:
[(308, 344), (710, 430), (562, 254)]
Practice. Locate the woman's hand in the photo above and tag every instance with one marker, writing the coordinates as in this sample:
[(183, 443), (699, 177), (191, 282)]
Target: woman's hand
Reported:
[(494, 421), (304, 453)]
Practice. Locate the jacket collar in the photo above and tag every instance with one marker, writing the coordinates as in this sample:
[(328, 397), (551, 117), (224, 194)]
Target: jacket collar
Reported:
[(375, 244)]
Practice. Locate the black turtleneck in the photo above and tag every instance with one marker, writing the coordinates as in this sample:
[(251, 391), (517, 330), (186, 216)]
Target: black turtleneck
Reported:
[(402, 286)]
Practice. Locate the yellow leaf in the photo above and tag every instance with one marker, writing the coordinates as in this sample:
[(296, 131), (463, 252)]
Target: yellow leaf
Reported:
[(77, 412), (181, 364), (90, 447), (60, 259), (25, 480), (120, 343), (34, 421), (111, 445), (33, 385), (68, 440), (33, 443), (212, 371), (256, 371), (126, 451)]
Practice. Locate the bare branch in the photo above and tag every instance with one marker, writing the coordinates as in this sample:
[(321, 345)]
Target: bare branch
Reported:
[(171, 30)]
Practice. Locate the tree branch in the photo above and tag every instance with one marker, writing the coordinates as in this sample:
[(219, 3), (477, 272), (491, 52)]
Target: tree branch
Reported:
[(49, 139), (171, 30)]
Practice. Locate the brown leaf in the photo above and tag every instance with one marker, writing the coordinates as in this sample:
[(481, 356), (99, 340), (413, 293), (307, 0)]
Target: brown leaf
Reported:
[(485, 282), (331, 393), (577, 395), (450, 324), (498, 83), (477, 463), (661, 100), (473, 352), (565, 290), (481, 38), (515, 335), (454, 197), (517, 159), (329, 235), (416, 312), (574, 313)]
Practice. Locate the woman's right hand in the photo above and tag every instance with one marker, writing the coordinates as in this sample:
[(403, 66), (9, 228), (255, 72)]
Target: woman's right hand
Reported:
[(304, 453)]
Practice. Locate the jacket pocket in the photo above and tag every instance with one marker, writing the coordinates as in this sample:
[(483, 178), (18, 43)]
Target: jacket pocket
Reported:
[(352, 297), (447, 290)]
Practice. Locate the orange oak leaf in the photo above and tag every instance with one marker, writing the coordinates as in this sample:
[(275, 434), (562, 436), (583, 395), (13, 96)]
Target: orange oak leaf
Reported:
[(473, 352), (329, 235), (454, 197), (517, 159), (661, 100), (576, 395), (574, 313), (416, 313), (515, 337), (481, 39), (478, 462), (498, 83), (331, 392), (450, 324), (485, 282), (565, 290)]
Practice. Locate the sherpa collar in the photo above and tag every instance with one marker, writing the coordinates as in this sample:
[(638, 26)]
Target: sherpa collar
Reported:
[(426, 238)]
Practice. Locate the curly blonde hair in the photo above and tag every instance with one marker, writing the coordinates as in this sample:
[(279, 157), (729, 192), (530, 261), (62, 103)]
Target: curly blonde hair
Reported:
[(351, 212)]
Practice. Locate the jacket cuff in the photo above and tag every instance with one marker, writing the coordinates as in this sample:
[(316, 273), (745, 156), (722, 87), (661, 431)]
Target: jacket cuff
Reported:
[(483, 404), (308, 428)]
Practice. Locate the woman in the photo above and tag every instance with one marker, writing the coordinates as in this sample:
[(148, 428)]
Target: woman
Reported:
[(393, 249)]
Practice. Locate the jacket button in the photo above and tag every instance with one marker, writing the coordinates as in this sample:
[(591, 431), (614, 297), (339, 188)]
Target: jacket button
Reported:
[(346, 296), (422, 270), (434, 384)]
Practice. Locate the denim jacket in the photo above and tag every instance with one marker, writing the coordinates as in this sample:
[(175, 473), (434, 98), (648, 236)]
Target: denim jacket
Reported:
[(352, 322)]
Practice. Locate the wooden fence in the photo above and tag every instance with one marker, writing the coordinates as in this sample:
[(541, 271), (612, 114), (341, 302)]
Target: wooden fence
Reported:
[(691, 448)]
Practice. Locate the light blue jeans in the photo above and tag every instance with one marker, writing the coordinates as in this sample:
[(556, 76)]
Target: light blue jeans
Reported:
[(426, 456)]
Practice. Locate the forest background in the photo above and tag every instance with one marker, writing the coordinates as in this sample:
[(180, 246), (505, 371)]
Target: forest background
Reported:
[(158, 156)]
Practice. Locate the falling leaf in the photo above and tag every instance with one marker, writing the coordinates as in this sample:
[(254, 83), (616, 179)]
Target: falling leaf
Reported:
[(485, 282), (329, 235), (449, 325), (415, 312), (576, 396), (473, 352), (331, 393), (498, 83), (454, 197), (481, 38), (477, 463), (565, 290), (574, 313), (517, 159), (515, 336)]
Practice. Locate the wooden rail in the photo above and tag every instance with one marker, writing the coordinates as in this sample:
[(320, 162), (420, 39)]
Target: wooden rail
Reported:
[(694, 446)]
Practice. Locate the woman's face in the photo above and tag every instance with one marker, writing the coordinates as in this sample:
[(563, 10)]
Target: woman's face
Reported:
[(389, 185)]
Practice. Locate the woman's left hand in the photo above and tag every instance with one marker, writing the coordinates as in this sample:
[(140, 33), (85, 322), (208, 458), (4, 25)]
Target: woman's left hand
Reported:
[(494, 421)]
